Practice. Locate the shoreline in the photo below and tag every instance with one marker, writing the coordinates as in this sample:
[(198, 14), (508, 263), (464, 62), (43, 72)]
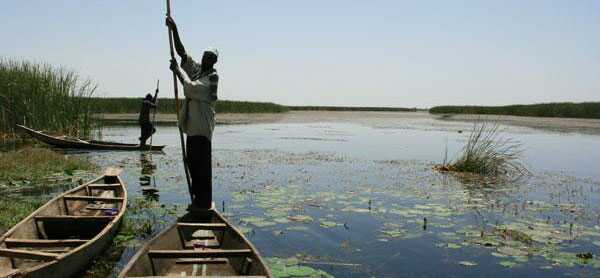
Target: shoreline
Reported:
[(370, 118)]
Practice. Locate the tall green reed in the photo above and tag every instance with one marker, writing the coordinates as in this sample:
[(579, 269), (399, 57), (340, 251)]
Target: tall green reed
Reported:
[(44, 97)]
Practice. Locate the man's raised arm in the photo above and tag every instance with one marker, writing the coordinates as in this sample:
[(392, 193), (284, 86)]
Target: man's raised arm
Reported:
[(177, 41)]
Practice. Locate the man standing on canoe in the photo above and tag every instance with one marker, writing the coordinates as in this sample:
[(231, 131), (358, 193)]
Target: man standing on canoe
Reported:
[(197, 116), (144, 119)]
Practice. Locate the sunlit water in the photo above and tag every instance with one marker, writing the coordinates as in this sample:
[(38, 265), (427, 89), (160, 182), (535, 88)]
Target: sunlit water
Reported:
[(358, 199)]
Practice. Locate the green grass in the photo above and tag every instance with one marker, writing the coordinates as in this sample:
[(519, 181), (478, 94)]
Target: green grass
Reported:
[(36, 163), (45, 97), (564, 109), (167, 105), (488, 153), (14, 210)]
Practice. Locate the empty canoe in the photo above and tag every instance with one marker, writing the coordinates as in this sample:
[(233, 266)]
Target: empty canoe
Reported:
[(201, 243), (60, 238), (71, 143)]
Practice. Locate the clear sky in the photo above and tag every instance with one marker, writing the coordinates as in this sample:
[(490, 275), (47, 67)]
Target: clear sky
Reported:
[(353, 53)]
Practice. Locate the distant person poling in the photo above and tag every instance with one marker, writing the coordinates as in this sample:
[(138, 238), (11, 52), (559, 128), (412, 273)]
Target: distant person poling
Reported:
[(146, 126), (197, 116)]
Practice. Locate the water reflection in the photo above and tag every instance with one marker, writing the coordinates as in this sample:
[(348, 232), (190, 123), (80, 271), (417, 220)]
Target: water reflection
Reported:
[(147, 177)]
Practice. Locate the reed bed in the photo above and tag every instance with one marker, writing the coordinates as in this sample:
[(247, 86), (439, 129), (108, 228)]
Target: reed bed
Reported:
[(167, 105), (590, 110), (44, 97), (488, 153)]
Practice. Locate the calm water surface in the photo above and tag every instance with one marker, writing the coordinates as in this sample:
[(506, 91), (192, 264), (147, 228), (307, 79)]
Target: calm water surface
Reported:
[(358, 198)]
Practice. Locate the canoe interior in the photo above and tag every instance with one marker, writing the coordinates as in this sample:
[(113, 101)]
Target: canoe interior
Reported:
[(66, 225), (212, 248), (65, 142)]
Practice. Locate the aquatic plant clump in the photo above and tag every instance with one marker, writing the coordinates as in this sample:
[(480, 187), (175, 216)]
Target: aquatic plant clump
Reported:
[(42, 96), (488, 153)]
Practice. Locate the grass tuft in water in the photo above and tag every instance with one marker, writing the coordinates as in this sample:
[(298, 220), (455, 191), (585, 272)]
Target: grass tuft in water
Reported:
[(488, 153)]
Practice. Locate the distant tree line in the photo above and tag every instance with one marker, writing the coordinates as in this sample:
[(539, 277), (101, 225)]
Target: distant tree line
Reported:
[(167, 105), (563, 109), (350, 108)]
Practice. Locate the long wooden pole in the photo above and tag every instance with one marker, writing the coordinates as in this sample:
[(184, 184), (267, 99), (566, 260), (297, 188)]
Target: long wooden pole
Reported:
[(154, 112), (185, 165)]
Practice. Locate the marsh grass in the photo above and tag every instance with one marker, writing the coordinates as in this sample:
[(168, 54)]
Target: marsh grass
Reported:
[(32, 164), (44, 97), (167, 105), (14, 210), (488, 153)]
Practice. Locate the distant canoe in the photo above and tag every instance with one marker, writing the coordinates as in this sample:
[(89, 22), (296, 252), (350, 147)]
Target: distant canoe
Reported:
[(61, 238), (71, 143), (200, 244)]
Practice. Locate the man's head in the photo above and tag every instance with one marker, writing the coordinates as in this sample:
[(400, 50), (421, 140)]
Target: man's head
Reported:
[(209, 58), (148, 97)]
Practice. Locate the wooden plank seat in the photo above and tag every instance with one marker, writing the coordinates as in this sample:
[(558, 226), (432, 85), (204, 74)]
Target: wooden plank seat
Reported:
[(27, 254), (202, 244), (96, 218), (208, 253), (93, 199), (202, 261), (42, 243), (112, 186), (203, 226)]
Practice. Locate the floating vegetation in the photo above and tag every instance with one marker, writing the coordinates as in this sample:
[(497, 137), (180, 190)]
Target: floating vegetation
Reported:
[(288, 268), (288, 204)]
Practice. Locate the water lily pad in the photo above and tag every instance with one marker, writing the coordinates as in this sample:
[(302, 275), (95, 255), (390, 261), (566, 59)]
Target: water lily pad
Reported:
[(300, 271), (521, 259), (495, 254), (467, 263), (281, 220), (393, 233), (453, 245), (301, 218), (508, 264), (328, 224), (507, 250), (297, 228)]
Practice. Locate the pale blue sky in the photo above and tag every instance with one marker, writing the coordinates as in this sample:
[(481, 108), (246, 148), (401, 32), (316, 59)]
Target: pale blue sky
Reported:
[(355, 53)]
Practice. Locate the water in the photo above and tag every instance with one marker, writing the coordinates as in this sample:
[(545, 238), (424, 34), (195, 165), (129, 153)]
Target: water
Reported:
[(358, 197)]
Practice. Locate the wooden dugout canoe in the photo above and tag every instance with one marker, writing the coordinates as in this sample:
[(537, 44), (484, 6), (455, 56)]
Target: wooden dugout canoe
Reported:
[(60, 238), (201, 244), (70, 143)]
